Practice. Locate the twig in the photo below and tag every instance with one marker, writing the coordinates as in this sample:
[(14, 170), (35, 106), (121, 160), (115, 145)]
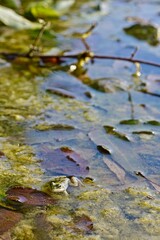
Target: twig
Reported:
[(34, 46), (127, 60), (87, 47), (155, 185), (134, 53), (74, 56), (131, 104), (150, 93)]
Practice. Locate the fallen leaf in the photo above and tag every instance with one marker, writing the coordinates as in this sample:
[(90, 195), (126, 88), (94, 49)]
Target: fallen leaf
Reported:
[(145, 32), (153, 122), (46, 127), (82, 223), (42, 227), (130, 122), (103, 149), (63, 161), (25, 197), (6, 236), (143, 132), (64, 84), (122, 152), (116, 169), (61, 92), (154, 184), (8, 219), (111, 130)]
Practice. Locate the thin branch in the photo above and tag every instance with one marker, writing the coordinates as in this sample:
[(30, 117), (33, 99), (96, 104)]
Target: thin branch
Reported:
[(109, 57), (85, 54), (34, 46), (127, 60), (134, 53), (150, 93), (131, 104)]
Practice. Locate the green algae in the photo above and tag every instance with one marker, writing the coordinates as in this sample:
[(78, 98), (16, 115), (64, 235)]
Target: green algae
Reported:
[(132, 213)]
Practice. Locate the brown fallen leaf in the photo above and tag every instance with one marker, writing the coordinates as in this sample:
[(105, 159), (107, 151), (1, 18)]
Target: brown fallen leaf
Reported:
[(26, 197), (61, 92), (64, 84), (6, 236), (63, 161), (154, 184), (8, 219), (82, 224), (122, 152), (42, 227), (116, 169)]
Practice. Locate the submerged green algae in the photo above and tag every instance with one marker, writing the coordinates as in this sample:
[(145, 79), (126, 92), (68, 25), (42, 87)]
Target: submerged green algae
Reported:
[(115, 215), (132, 213)]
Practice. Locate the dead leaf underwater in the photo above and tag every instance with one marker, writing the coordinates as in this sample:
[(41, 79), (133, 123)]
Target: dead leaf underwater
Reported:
[(125, 159), (63, 161), (64, 84), (82, 224), (8, 219), (26, 197)]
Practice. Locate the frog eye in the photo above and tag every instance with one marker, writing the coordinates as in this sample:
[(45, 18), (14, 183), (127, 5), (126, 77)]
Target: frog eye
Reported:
[(53, 183)]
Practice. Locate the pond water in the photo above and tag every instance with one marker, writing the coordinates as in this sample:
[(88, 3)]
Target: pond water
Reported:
[(96, 120)]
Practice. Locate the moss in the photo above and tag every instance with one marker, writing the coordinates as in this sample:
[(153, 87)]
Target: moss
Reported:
[(24, 231), (150, 224), (93, 195), (20, 167)]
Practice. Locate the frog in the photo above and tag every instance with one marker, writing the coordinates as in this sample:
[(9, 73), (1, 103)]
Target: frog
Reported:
[(60, 184)]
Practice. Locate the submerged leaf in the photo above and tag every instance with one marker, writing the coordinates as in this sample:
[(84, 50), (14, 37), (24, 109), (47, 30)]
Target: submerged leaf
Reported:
[(122, 152), (61, 92), (116, 169), (42, 227), (82, 223), (146, 32), (65, 85), (111, 130), (154, 184), (8, 219), (153, 122), (25, 197), (63, 161), (143, 132), (47, 127), (103, 149), (130, 122)]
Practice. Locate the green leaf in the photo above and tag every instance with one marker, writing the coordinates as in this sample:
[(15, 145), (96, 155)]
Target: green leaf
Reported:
[(111, 130), (43, 12), (12, 19), (153, 122), (145, 32), (130, 122), (143, 132)]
